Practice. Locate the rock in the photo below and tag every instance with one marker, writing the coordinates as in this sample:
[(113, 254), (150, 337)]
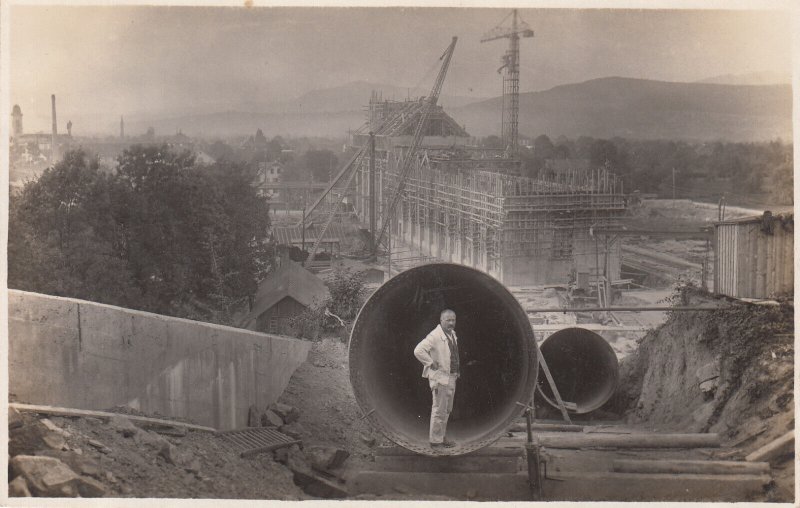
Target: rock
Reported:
[(110, 477), (288, 413), (45, 476), (15, 420), (294, 430), (168, 452), (54, 441), (323, 458), (53, 427), (193, 466), (126, 490), (368, 440), (178, 457), (34, 436), (296, 459), (271, 419), (123, 425), (78, 463), (151, 439), (281, 455), (317, 486), (99, 446), (89, 487), (254, 416), (18, 487)]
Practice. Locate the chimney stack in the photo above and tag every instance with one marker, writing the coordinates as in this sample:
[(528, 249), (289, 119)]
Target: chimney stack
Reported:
[(53, 143)]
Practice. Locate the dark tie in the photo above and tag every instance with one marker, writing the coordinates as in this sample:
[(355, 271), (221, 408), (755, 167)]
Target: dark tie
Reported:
[(454, 367)]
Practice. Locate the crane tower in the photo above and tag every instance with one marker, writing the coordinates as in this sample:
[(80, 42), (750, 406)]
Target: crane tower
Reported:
[(517, 29)]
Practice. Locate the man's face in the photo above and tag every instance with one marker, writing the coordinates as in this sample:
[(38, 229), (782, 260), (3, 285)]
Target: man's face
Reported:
[(448, 321)]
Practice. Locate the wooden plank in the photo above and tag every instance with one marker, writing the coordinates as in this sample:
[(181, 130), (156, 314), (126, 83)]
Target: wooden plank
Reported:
[(690, 466), (457, 464), (553, 387), (592, 486), (269, 448), (546, 427), (517, 449), (603, 440), (64, 411), (462, 486), (774, 449)]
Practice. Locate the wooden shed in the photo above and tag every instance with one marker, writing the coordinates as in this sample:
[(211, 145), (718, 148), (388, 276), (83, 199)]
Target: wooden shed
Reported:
[(285, 293), (754, 256)]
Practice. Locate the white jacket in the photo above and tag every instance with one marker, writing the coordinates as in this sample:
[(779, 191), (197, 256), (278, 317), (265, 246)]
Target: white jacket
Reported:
[(434, 348)]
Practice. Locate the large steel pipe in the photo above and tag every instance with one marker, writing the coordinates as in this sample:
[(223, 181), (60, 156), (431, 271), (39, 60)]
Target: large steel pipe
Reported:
[(496, 344), (584, 367)]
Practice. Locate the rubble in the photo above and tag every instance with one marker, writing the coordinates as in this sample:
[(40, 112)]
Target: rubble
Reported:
[(18, 487), (123, 426), (45, 476), (271, 418), (323, 458), (288, 413)]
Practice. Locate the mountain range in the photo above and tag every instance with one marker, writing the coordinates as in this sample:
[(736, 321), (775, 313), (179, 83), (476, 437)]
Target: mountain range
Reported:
[(602, 108)]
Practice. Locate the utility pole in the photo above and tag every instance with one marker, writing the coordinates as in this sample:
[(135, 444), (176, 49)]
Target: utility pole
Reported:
[(673, 187), (373, 220), (303, 237)]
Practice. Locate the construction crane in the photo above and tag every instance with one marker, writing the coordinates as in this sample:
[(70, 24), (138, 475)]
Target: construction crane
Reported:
[(517, 29), (342, 181), (405, 167)]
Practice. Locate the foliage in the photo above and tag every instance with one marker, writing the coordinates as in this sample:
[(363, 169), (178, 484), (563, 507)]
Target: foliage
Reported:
[(161, 234), (347, 292), (737, 333), (702, 170)]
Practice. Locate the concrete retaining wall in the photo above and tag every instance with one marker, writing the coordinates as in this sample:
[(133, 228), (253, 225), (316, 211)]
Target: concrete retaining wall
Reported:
[(79, 354)]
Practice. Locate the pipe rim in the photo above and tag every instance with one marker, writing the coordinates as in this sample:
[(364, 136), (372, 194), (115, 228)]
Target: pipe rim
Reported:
[(610, 353), (530, 373)]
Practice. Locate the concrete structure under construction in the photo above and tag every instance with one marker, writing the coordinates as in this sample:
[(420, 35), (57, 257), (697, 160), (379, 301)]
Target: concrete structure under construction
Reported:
[(470, 206)]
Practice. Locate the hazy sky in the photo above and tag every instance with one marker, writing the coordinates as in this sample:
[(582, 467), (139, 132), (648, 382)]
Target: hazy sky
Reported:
[(103, 62)]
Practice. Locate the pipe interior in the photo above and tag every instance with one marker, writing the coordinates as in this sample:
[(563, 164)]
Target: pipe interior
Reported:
[(584, 367), (494, 338)]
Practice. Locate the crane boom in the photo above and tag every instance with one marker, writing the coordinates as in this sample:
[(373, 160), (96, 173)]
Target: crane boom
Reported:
[(347, 173), (405, 167)]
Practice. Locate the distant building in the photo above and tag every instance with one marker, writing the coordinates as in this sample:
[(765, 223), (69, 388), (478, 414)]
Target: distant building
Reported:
[(16, 121), (285, 293), (267, 175)]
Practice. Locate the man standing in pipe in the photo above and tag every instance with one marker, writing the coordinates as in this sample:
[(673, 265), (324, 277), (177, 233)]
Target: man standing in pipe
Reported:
[(438, 353)]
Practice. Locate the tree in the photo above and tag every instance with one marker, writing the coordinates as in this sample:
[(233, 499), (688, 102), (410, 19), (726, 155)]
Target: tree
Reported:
[(62, 240), (543, 148), (321, 164), (162, 234)]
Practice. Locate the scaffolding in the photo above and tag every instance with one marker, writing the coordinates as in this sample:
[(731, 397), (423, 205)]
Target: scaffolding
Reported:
[(460, 206)]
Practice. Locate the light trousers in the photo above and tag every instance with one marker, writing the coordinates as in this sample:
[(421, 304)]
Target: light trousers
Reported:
[(442, 406)]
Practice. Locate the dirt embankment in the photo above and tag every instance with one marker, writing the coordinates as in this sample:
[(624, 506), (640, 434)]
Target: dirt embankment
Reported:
[(728, 371)]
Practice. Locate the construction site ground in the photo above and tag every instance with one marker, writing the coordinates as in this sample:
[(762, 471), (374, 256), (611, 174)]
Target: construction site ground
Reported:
[(121, 462)]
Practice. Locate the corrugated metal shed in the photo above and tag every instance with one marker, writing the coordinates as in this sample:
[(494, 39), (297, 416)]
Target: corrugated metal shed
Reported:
[(754, 257), (293, 235)]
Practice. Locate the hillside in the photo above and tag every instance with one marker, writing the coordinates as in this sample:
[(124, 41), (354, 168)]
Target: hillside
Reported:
[(602, 108), (644, 109)]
